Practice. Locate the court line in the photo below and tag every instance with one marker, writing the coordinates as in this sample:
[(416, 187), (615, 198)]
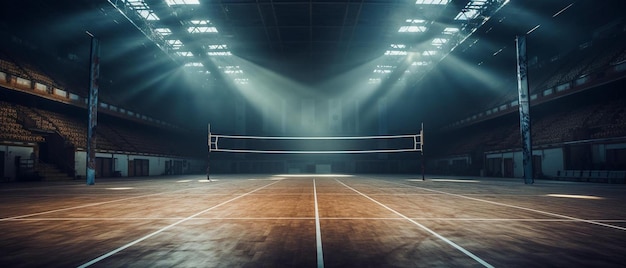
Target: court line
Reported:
[(517, 207), (109, 254), (76, 207), (89, 205), (463, 250), (318, 230)]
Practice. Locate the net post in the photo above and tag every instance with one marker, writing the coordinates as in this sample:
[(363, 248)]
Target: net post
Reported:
[(208, 158), (422, 151)]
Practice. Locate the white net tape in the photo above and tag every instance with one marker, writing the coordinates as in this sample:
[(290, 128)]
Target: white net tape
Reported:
[(384, 144)]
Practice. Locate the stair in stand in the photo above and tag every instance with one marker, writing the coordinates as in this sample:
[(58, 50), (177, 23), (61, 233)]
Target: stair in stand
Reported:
[(49, 172)]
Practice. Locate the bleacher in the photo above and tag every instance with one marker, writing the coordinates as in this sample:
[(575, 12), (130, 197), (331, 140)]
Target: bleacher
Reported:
[(110, 135), (11, 129)]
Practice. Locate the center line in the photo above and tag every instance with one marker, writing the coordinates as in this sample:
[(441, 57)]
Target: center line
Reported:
[(465, 251), (318, 232)]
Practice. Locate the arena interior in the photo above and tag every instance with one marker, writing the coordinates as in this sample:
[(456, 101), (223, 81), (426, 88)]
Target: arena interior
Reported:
[(313, 133)]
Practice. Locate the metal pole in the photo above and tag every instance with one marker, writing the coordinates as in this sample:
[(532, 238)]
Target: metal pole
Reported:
[(524, 108), (94, 73), (208, 158), (422, 151)]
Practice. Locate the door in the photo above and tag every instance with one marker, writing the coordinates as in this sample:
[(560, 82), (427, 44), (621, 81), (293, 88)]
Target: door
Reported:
[(494, 167), (508, 167), (131, 168), (104, 167), (537, 168), (1, 164)]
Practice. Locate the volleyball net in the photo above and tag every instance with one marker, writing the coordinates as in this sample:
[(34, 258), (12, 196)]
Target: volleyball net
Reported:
[(316, 145)]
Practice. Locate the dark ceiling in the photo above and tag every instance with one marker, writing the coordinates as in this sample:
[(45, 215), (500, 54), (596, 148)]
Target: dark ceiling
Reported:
[(307, 41)]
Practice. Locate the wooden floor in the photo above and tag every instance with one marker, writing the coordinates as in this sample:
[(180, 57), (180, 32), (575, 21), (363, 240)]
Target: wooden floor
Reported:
[(312, 221)]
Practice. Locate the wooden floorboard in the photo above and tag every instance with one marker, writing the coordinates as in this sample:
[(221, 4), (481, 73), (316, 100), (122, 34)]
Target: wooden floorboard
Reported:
[(271, 220)]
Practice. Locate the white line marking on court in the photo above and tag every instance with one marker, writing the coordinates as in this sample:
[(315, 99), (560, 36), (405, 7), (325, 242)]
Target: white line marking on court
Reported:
[(465, 251), (522, 208), (70, 208), (88, 205), (89, 263), (318, 231)]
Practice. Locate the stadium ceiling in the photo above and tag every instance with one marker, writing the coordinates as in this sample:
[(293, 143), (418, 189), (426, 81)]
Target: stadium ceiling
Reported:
[(306, 40), (315, 38)]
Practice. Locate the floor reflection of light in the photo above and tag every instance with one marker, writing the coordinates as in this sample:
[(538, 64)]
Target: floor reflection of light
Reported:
[(445, 180), (120, 188), (184, 181), (575, 196), (208, 180), (268, 179), (314, 175)]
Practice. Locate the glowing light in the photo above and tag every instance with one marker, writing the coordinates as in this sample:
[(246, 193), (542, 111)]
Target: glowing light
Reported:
[(382, 71), (396, 53), (449, 180), (147, 14), (194, 64), (415, 21), (438, 42), (575, 196), (314, 175), (219, 53), (562, 10), (200, 22), (533, 29), (202, 29), (374, 81), (218, 47), (163, 31), (471, 10), (176, 44), (182, 2), (412, 29), (431, 2), (450, 30), (242, 81), (184, 53)]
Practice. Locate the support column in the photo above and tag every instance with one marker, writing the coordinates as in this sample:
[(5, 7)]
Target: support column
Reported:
[(94, 73), (524, 108)]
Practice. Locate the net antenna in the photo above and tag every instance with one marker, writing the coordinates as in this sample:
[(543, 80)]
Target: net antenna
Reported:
[(417, 144)]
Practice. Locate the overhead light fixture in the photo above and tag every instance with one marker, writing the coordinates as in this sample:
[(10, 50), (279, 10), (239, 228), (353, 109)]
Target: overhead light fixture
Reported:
[(562, 10), (432, 2), (533, 29), (182, 2)]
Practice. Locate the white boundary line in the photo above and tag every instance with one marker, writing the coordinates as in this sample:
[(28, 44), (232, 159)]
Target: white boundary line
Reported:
[(76, 207), (318, 231), (465, 251), (88, 205), (89, 263), (518, 207)]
